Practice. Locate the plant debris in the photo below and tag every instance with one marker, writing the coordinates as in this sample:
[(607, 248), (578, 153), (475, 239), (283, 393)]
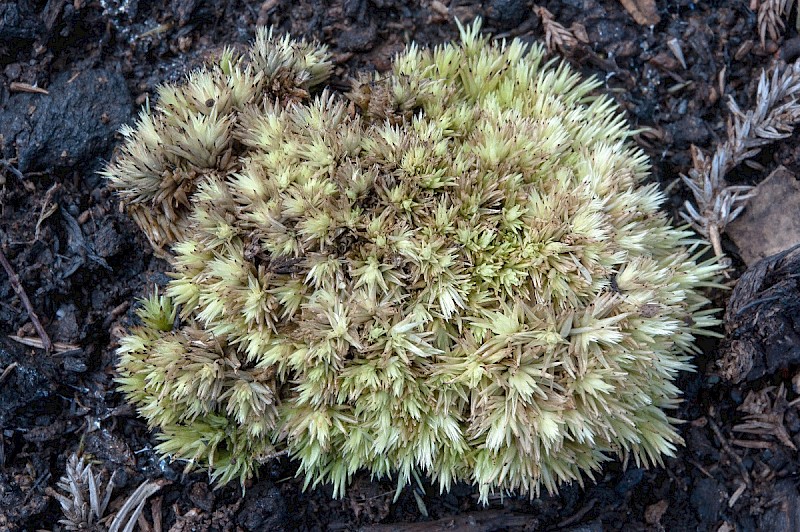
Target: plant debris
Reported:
[(773, 117)]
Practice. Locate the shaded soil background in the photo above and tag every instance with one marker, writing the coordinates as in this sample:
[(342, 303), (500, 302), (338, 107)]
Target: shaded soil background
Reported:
[(82, 261)]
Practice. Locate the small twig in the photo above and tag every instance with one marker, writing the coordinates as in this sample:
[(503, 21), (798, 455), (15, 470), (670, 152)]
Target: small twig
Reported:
[(155, 511), (701, 468), (736, 495), (15, 284), (578, 515), (11, 168), (753, 444), (729, 450), (144, 526)]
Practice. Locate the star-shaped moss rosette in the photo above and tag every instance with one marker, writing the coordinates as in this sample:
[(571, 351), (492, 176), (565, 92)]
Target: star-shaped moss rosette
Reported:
[(455, 270), (191, 136)]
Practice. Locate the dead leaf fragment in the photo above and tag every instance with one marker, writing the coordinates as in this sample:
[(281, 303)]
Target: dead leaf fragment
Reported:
[(765, 410), (440, 9), (556, 35), (644, 12), (769, 225), (654, 512)]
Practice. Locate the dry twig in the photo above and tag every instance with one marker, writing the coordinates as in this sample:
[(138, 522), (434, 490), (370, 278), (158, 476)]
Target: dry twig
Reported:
[(727, 448), (773, 118), (13, 279), (10, 167)]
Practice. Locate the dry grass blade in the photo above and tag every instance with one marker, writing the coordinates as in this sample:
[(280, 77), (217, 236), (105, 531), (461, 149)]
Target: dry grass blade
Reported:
[(126, 517), (59, 348), (774, 116), (7, 371), (17, 86)]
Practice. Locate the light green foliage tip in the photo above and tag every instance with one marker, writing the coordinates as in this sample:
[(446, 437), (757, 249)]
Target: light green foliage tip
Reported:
[(454, 270)]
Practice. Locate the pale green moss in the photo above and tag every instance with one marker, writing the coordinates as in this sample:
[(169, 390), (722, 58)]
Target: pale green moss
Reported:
[(458, 274)]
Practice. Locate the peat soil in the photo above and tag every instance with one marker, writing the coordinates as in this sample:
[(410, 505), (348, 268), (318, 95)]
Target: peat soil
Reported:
[(81, 261)]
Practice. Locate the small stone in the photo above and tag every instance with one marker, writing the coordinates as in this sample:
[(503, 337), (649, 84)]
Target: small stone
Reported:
[(201, 496), (707, 501), (689, 130), (107, 241), (264, 508), (358, 39), (13, 71), (507, 13), (74, 365), (67, 323), (630, 480), (784, 511)]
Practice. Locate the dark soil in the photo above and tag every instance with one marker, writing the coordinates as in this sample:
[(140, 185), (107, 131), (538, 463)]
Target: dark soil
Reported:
[(82, 262)]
